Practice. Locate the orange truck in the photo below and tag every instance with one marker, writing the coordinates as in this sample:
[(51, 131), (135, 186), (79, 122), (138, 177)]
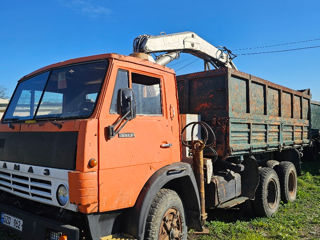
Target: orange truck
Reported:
[(92, 147)]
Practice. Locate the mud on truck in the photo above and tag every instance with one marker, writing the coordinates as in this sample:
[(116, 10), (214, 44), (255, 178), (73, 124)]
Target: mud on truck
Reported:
[(110, 144)]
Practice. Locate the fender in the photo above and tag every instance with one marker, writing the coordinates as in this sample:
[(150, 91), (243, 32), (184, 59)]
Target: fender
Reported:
[(179, 170), (250, 177)]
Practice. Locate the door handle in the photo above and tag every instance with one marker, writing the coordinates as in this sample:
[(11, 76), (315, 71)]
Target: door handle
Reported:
[(166, 145), (172, 113)]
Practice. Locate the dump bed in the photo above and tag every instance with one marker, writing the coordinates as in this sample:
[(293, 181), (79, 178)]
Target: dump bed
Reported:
[(247, 113), (315, 117)]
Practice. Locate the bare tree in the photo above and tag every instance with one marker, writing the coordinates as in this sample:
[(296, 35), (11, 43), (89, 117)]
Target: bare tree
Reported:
[(3, 92)]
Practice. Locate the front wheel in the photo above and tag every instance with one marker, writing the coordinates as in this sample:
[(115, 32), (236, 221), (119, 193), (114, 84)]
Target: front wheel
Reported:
[(166, 219)]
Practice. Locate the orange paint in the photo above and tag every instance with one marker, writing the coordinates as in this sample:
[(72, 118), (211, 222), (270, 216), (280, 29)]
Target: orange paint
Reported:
[(126, 164), (203, 106), (83, 190)]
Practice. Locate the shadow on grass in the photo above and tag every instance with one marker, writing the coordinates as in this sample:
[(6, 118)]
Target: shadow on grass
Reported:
[(243, 212), (311, 167)]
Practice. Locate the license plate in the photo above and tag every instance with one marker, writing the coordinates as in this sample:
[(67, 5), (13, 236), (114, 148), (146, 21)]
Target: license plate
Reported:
[(11, 221)]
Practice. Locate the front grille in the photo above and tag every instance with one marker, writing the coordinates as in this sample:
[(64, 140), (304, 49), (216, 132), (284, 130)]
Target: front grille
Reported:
[(25, 186)]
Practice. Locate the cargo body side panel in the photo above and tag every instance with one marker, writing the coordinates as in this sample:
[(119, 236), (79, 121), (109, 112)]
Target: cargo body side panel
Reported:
[(248, 114), (206, 94), (315, 115)]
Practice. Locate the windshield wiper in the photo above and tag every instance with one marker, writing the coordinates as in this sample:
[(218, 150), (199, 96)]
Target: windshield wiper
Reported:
[(15, 119), (9, 121), (52, 120), (59, 125)]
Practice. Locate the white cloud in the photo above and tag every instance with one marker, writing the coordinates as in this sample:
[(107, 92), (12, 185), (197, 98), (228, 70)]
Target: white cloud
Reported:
[(88, 7)]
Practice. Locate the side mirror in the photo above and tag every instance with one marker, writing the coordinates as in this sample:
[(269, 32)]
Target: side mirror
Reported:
[(126, 103)]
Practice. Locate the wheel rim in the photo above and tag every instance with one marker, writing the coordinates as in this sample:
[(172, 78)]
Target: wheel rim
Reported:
[(171, 225), (292, 184), (272, 194)]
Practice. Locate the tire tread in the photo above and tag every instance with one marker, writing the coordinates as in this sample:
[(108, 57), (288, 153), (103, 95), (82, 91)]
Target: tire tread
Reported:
[(163, 195), (259, 203), (284, 167)]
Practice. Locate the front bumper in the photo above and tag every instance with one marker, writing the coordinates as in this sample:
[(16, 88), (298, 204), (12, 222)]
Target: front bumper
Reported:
[(37, 228)]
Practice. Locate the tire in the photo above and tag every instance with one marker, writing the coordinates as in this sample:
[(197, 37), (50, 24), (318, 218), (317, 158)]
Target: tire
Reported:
[(267, 198), (166, 218), (272, 164), (288, 181)]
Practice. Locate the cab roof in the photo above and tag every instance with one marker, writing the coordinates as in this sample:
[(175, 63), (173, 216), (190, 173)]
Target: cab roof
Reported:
[(119, 57)]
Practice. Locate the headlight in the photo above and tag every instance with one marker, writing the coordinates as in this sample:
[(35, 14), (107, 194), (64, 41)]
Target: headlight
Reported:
[(62, 195)]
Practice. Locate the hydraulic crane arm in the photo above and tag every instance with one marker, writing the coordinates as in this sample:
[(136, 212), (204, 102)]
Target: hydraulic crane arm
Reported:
[(186, 42)]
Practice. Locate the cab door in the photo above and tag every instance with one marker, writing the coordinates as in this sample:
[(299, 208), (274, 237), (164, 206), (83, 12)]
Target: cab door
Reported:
[(143, 145)]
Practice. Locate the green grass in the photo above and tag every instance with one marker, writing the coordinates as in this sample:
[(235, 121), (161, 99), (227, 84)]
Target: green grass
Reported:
[(298, 220)]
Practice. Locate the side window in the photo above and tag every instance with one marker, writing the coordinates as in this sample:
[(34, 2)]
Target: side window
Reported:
[(122, 81), (147, 93)]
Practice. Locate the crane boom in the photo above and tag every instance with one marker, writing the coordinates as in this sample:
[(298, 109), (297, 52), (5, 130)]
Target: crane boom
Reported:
[(186, 42)]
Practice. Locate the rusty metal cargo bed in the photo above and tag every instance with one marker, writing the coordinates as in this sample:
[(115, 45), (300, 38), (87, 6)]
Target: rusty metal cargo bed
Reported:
[(247, 113)]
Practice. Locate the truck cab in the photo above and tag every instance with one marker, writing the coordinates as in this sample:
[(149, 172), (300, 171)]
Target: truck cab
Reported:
[(56, 150)]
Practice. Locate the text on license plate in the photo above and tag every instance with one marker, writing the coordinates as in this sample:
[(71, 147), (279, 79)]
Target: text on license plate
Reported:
[(11, 221)]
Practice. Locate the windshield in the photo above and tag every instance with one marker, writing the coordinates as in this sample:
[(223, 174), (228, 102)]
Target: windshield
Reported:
[(67, 92)]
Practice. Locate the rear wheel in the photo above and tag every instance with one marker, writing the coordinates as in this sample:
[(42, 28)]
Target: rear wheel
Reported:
[(267, 197), (166, 219), (288, 181)]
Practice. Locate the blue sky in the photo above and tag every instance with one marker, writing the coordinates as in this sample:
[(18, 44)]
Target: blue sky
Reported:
[(36, 33)]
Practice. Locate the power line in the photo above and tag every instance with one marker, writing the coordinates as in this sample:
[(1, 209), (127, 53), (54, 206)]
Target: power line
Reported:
[(277, 45), (172, 64), (180, 61), (277, 51), (188, 64)]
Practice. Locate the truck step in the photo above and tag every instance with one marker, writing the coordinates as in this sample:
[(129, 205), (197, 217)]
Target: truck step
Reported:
[(233, 202), (118, 237)]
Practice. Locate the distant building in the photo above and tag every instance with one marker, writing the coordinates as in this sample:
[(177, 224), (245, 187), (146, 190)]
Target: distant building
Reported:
[(3, 105)]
